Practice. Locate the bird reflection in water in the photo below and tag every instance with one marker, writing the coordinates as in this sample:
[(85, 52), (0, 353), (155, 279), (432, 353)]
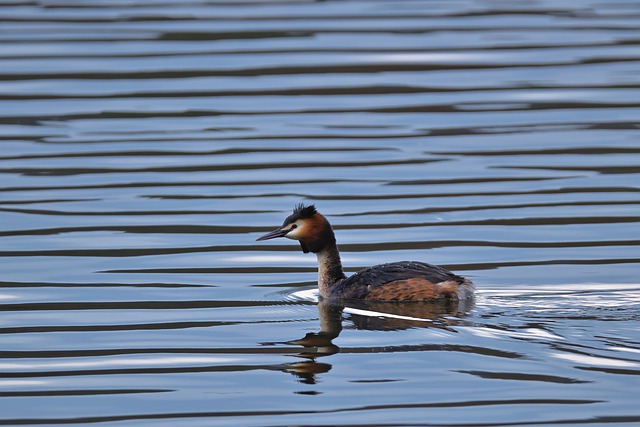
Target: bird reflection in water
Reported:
[(368, 315)]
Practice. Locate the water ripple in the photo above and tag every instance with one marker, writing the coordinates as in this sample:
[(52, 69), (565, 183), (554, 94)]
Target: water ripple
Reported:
[(146, 145)]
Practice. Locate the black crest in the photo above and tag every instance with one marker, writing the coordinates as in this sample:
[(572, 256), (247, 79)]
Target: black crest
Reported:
[(301, 212)]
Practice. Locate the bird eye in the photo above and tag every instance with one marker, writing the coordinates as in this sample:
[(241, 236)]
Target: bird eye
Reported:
[(294, 226)]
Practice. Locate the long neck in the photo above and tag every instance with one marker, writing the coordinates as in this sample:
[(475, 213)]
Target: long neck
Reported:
[(329, 268)]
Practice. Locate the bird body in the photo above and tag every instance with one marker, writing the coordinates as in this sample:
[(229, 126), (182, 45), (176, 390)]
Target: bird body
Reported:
[(396, 281)]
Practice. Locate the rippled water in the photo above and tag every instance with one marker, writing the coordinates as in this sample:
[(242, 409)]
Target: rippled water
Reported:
[(146, 145)]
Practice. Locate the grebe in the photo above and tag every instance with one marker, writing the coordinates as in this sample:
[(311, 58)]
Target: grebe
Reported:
[(396, 281)]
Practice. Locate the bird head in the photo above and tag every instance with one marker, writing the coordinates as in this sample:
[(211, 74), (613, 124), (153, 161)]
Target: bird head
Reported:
[(307, 226)]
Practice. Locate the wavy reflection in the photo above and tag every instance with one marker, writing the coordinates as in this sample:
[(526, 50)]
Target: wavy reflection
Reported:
[(367, 315)]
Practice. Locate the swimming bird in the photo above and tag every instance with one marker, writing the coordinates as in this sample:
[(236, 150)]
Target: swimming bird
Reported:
[(396, 281)]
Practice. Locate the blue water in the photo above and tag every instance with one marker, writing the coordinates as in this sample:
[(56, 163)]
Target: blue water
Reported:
[(145, 146)]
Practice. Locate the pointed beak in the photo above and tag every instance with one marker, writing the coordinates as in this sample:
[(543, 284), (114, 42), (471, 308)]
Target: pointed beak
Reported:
[(278, 232)]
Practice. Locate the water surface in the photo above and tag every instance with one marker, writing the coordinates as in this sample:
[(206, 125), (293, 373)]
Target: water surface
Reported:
[(145, 146)]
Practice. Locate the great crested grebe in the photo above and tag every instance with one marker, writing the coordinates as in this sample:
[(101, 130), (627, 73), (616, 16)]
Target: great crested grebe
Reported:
[(396, 281)]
